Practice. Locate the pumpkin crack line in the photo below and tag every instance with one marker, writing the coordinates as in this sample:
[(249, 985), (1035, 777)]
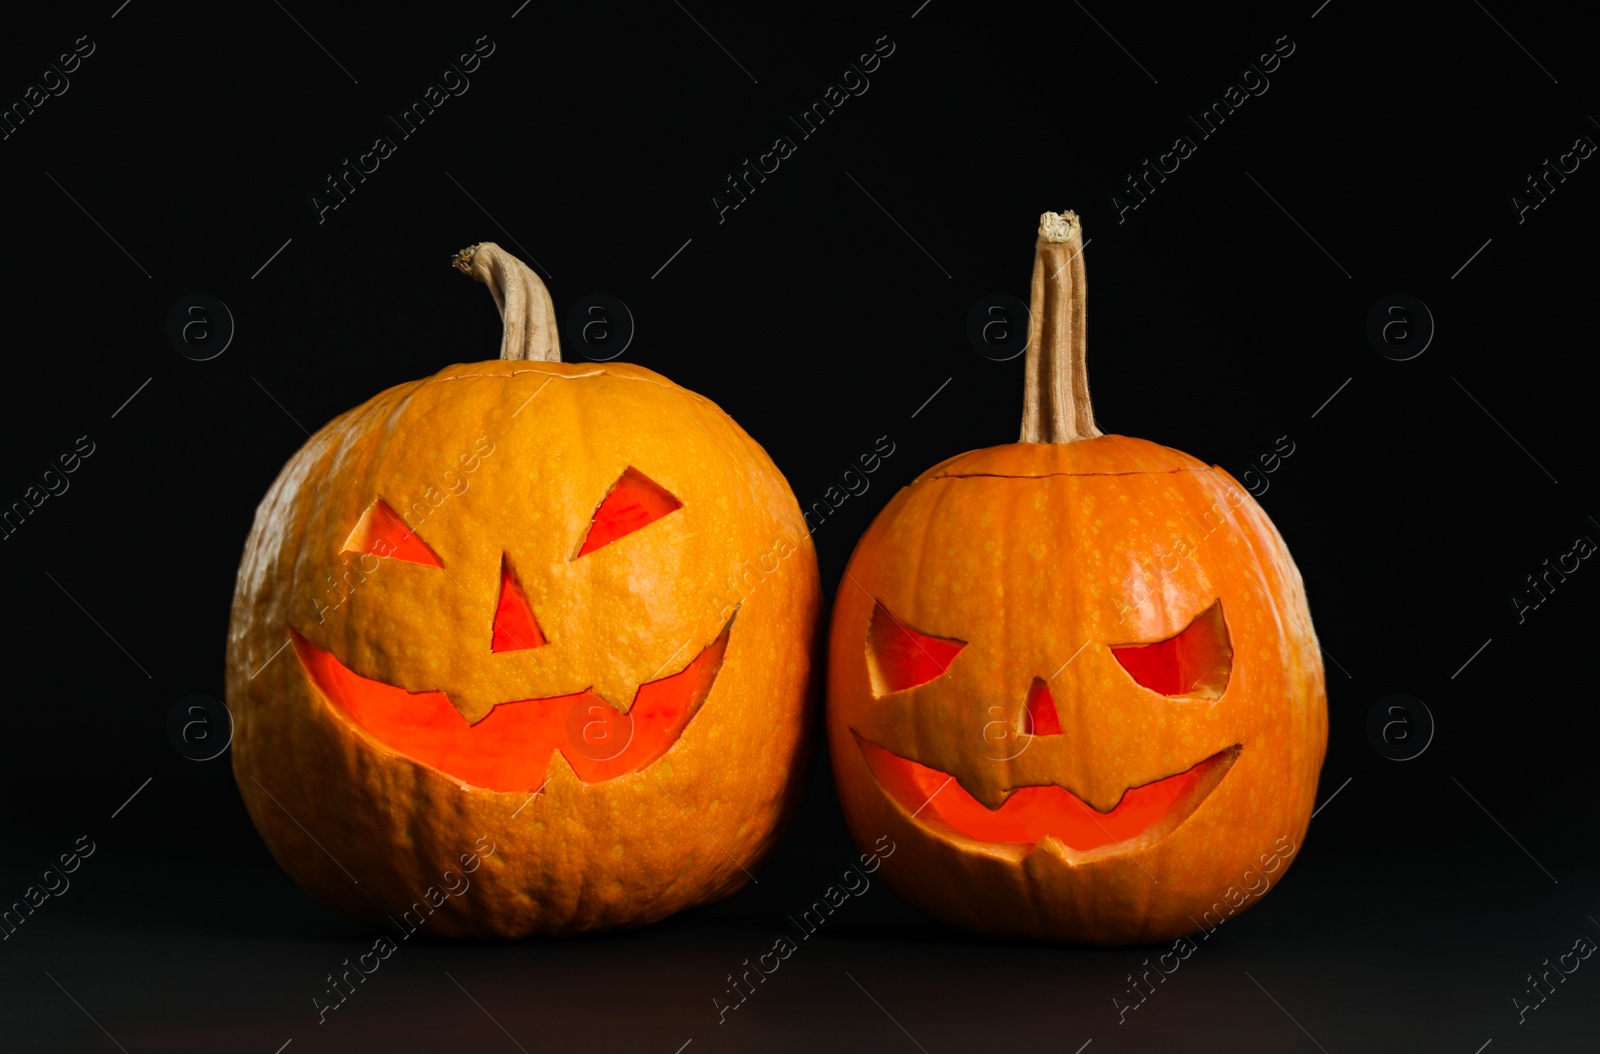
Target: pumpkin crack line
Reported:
[(518, 373), (1047, 475)]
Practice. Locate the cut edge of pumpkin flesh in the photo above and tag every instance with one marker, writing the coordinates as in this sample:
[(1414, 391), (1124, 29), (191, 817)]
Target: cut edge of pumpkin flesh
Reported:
[(1033, 814)]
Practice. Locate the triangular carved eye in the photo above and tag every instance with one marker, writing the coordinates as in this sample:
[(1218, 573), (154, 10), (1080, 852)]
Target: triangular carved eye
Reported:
[(382, 532), (515, 628), (635, 501), (1197, 661), (898, 657)]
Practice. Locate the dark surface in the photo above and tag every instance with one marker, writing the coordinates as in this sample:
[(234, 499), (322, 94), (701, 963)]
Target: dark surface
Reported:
[(823, 313)]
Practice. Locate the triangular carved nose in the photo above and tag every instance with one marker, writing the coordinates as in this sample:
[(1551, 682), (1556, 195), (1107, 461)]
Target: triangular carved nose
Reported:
[(515, 627), (1041, 718)]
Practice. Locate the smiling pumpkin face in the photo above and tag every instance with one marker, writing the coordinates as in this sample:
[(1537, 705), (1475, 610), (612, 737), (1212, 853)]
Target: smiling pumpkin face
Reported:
[(1075, 678), (1079, 693), (565, 610), (508, 746)]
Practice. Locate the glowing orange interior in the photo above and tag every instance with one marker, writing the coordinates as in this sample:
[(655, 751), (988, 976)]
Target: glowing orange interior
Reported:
[(898, 657), (515, 628), (1042, 717), (382, 532), (1196, 661), (509, 750), (1031, 813), (635, 501)]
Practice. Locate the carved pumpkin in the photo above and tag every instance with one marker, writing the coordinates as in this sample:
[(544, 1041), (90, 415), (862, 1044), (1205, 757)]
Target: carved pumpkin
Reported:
[(524, 647), (1074, 678)]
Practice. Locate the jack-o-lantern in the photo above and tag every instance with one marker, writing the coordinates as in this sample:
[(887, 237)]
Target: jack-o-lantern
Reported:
[(1074, 678), (524, 647)]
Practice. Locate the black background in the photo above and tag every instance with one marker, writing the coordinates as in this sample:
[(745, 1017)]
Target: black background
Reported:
[(821, 314)]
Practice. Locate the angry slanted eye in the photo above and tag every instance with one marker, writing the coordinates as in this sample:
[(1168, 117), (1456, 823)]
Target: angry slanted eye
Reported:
[(634, 501), (898, 657), (1197, 661), (382, 532)]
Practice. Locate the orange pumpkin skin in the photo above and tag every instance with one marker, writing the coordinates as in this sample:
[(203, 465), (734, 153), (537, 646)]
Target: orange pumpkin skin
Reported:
[(1041, 557), (373, 832)]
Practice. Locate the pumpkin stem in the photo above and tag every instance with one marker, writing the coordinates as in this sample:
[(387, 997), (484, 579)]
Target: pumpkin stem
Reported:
[(529, 317), (1055, 407)]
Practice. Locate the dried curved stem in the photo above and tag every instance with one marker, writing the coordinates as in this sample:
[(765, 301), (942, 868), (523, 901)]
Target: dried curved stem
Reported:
[(1055, 407), (531, 333)]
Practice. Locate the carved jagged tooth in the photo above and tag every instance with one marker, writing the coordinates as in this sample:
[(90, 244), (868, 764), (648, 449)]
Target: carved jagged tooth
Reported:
[(560, 776)]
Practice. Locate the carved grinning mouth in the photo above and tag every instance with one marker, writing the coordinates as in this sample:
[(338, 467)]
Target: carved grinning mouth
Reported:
[(1143, 816), (509, 749)]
